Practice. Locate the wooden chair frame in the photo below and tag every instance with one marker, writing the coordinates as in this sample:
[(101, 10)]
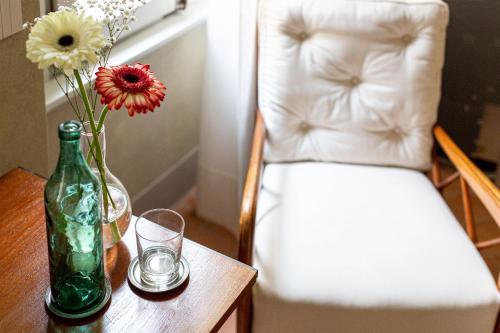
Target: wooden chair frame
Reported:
[(469, 175)]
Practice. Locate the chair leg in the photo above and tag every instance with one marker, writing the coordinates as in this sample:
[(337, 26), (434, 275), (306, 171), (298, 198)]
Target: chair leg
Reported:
[(469, 217), (436, 168), (244, 314)]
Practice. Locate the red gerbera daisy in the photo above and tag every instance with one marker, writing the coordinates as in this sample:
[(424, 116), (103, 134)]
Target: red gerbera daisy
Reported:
[(136, 87)]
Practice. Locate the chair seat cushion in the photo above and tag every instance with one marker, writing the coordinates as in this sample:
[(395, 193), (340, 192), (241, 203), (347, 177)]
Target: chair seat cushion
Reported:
[(351, 248)]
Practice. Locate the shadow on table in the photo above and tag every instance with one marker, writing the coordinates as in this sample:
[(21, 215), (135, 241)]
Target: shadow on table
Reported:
[(92, 324), (160, 297), (117, 260)]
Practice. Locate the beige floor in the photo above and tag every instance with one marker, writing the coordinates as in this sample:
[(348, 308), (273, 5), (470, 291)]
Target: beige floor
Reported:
[(221, 240), (205, 232)]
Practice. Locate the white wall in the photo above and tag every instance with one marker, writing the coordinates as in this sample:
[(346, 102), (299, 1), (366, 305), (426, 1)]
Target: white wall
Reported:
[(229, 100)]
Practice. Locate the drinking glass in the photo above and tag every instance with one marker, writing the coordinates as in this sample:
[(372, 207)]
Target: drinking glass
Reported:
[(159, 235)]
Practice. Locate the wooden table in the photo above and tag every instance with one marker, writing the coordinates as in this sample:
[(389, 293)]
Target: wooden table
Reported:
[(213, 290)]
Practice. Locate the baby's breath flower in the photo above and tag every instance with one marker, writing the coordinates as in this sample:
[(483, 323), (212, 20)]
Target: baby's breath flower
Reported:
[(110, 9), (116, 15)]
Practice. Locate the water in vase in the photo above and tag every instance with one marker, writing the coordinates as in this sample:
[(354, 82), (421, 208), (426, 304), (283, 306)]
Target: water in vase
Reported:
[(119, 214)]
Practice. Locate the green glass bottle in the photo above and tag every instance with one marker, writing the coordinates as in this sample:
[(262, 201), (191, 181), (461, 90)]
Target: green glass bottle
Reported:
[(74, 231)]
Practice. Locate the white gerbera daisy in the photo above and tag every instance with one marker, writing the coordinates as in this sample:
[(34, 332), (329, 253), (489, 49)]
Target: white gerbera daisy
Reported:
[(65, 39)]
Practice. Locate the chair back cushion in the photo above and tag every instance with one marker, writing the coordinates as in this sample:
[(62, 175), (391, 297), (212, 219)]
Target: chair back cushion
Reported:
[(354, 81)]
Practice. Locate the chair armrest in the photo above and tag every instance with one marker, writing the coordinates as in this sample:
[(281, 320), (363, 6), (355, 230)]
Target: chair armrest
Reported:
[(482, 186), (251, 191)]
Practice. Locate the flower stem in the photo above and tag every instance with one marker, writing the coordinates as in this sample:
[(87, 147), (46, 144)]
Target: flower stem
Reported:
[(98, 155), (115, 232), (102, 117), (100, 123)]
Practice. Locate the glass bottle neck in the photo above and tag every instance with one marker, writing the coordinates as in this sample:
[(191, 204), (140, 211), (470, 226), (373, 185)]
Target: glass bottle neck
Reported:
[(70, 153)]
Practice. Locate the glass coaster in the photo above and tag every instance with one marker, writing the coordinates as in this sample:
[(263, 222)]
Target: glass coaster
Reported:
[(89, 312), (134, 276)]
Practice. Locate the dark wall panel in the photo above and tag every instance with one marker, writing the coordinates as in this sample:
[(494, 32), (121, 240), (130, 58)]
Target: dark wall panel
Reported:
[(471, 74)]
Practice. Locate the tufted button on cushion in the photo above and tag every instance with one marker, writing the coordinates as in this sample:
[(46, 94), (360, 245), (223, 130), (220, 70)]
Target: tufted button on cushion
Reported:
[(303, 36), (407, 39), (355, 81), (351, 78), (304, 127), (396, 135), (398, 131)]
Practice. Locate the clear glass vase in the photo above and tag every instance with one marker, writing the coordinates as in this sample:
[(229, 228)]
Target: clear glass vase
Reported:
[(116, 218)]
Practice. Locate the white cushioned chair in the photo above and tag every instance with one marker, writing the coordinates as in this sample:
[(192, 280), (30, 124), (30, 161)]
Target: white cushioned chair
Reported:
[(346, 230)]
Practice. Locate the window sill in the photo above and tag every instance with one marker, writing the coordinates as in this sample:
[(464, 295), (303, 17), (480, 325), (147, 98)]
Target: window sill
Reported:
[(142, 43)]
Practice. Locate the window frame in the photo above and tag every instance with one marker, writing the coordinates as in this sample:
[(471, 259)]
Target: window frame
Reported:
[(148, 14)]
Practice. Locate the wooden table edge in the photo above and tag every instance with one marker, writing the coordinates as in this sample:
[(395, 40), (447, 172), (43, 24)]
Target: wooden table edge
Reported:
[(21, 168), (248, 288)]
